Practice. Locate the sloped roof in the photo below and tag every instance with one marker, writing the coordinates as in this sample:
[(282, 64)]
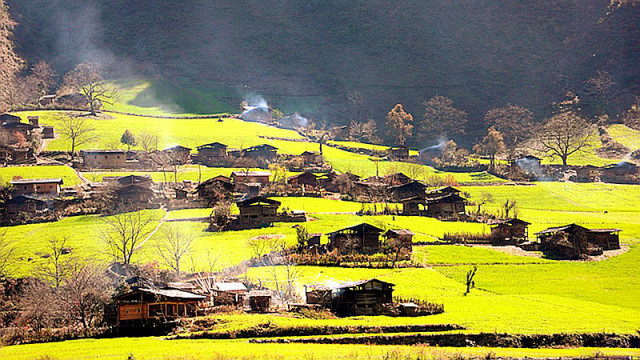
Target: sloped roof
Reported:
[(177, 148), (102, 151), (362, 225), (231, 286), (250, 173), (510, 222), (399, 232), (351, 284), (36, 181), (170, 293), (211, 145), (258, 200)]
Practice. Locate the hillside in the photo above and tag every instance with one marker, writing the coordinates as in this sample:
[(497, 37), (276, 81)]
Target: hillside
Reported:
[(307, 57)]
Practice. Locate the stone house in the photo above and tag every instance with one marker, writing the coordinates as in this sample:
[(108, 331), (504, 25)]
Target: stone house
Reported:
[(104, 159), (45, 187)]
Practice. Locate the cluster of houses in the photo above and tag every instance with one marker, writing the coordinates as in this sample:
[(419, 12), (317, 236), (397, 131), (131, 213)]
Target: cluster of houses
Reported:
[(18, 143), (146, 302), (529, 167)]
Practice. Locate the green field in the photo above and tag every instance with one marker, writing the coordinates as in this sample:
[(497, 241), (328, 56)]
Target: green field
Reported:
[(68, 175)]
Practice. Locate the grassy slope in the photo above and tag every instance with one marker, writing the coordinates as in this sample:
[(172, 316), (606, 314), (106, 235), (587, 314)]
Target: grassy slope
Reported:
[(68, 175)]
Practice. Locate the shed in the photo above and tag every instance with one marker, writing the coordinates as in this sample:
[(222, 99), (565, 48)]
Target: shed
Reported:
[(445, 205), (306, 178), (362, 297), (318, 294), (362, 238), (261, 177), (212, 190), (48, 132), (403, 236), (261, 152), (312, 158), (259, 300), (398, 152), (571, 241), (179, 154), (511, 229), (258, 207), (623, 172), (26, 204), (148, 303)]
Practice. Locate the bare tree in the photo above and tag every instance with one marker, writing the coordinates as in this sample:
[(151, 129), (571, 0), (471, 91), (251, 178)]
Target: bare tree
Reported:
[(86, 78), (40, 306), (399, 124), (469, 281), (56, 267), (565, 134), (441, 118), (123, 233), (76, 129), (396, 247), (174, 245), (7, 250), (84, 294), (485, 197), (148, 141)]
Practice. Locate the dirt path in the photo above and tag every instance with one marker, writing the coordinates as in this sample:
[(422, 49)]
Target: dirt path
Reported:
[(164, 218)]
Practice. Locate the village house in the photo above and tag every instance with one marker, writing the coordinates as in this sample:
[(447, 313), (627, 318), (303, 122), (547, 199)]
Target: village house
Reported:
[(339, 133), (304, 179), (213, 154), (260, 300), (145, 304), (27, 205), (48, 132), (44, 187), (264, 152), (398, 153), (312, 158), (510, 231), (214, 189), (572, 241), (402, 238), (258, 208), (317, 294), (250, 182), (409, 190), (587, 173), (364, 238), (178, 154), (104, 159), (621, 173), (34, 121), (364, 297), (442, 203), (231, 293)]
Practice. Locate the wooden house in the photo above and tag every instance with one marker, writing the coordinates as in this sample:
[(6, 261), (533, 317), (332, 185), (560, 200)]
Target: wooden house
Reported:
[(140, 180), (310, 158), (621, 173), (104, 159), (48, 187), (136, 195), (362, 297), (260, 177), (511, 230), (398, 153), (157, 304), (445, 206), (403, 237), (231, 293), (7, 118), (214, 189), (318, 295), (572, 241), (264, 152), (258, 207), (361, 238), (414, 205), (179, 155), (587, 173), (259, 300), (306, 179), (28, 205), (411, 189), (213, 154), (48, 132)]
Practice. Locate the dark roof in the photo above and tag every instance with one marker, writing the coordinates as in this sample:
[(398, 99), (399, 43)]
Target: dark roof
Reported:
[(445, 189), (177, 148), (435, 198), (250, 173), (306, 173), (311, 153), (211, 145), (24, 198), (352, 284), (169, 293), (510, 222), (258, 200), (399, 232), (134, 179), (102, 151), (573, 227), (412, 183), (622, 164), (261, 146), (36, 181), (361, 225)]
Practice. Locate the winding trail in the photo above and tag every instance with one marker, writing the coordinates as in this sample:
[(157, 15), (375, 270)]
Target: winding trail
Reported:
[(162, 221)]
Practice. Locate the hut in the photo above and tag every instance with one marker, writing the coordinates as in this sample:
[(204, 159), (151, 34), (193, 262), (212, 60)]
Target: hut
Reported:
[(398, 153), (362, 297), (318, 295), (157, 304), (48, 187), (362, 238), (231, 293), (399, 239), (258, 207), (212, 190), (623, 172), (213, 154), (573, 241), (587, 173), (260, 177), (26, 204), (261, 152), (445, 203), (48, 132), (259, 300), (411, 189), (104, 159), (306, 179), (140, 180), (511, 230), (310, 158)]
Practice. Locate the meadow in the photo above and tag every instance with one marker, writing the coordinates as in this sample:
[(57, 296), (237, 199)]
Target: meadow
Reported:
[(67, 174)]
